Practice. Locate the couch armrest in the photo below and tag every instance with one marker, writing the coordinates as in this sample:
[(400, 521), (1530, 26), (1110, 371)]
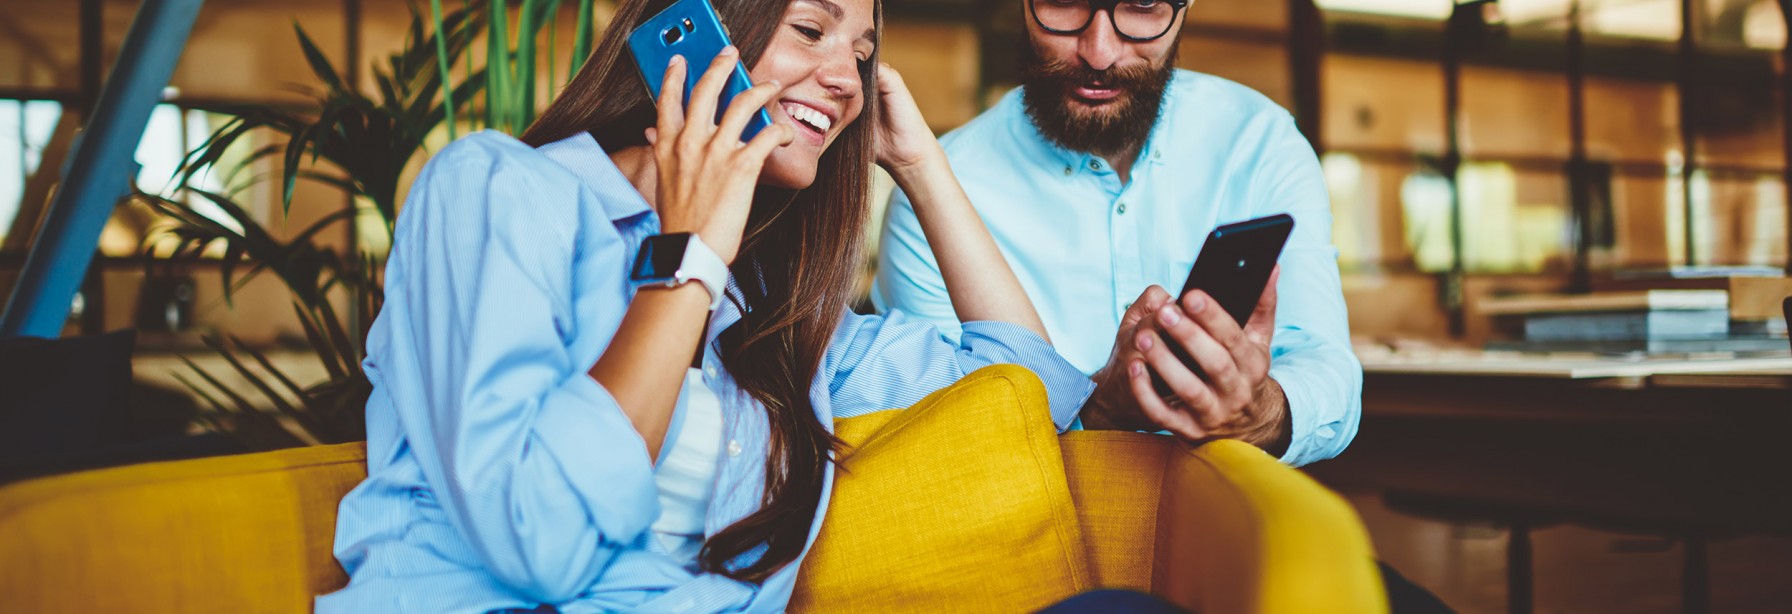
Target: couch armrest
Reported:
[(1238, 531), (247, 533)]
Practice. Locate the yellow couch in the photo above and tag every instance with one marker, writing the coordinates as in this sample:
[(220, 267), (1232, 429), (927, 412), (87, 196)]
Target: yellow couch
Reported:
[(1219, 528)]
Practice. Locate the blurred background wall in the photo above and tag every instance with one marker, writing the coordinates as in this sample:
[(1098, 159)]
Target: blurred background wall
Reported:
[(1517, 146), (1369, 81)]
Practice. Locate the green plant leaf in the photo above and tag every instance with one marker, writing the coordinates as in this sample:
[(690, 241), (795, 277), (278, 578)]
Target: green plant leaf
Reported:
[(295, 152), (254, 378), (320, 65), (242, 404), (286, 382), (581, 48), (319, 342), (347, 351), (435, 7)]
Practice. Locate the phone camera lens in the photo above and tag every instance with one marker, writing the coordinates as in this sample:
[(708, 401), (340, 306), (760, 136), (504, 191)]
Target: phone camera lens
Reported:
[(672, 36)]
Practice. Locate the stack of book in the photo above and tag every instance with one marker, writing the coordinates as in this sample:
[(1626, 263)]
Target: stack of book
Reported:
[(1665, 313)]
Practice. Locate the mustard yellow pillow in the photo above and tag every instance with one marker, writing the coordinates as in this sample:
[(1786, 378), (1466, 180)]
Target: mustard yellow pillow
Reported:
[(956, 504)]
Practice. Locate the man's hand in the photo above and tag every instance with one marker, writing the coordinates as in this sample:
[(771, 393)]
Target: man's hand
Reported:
[(1230, 396)]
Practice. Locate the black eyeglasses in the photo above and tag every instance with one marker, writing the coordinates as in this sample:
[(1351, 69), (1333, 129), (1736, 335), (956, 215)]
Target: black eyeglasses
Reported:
[(1134, 20)]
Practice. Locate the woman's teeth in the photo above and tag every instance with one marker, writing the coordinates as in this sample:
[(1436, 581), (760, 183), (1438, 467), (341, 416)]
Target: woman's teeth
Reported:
[(809, 117)]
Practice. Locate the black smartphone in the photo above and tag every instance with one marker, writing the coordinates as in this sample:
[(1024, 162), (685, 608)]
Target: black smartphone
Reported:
[(1234, 268), (690, 28)]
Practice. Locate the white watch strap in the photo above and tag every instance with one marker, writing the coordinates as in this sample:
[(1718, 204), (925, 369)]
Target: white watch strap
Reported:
[(702, 264)]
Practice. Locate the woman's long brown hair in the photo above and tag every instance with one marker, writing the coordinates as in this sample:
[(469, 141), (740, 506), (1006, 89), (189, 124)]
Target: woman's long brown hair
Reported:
[(802, 248)]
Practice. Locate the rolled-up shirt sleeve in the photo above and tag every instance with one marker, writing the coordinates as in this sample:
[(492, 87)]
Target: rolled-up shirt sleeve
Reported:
[(893, 361), (1311, 357), (531, 460)]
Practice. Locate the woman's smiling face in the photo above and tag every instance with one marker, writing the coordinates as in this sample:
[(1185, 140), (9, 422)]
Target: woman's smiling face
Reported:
[(817, 53)]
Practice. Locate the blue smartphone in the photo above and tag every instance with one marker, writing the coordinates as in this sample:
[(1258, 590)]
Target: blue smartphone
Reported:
[(690, 28)]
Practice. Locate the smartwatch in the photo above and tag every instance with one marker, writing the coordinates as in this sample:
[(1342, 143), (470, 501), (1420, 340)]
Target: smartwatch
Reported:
[(671, 260)]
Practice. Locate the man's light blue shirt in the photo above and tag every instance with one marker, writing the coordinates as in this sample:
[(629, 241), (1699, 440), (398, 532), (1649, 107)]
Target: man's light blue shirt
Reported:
[(500, 474), (1086, 245)]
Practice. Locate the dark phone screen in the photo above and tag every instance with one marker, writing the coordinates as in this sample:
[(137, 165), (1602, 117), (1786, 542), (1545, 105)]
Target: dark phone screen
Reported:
[(1233, 268), (1236, 261)]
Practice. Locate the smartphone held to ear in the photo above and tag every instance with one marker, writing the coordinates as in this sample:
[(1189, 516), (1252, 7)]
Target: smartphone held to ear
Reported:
[(690, 28), (1233, 268)]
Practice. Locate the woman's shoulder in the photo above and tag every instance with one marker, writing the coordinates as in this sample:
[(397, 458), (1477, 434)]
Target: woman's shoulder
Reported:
[(488, 170), (490, 184), (499, 155)]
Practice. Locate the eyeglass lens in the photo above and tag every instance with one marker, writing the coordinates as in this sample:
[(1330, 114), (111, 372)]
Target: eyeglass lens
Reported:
[(1140, 19)]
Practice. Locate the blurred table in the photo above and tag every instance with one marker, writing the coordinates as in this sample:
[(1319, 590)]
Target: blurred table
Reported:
[(1466, 384), (1682, 445), (1686, 447)]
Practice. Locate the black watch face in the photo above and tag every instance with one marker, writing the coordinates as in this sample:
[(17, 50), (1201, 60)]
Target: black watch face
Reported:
[(660, 257)]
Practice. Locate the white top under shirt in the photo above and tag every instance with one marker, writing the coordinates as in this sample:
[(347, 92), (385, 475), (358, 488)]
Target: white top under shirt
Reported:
[(686, 475)]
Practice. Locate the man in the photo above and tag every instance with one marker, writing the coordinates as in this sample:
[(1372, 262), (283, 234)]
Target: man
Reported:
[(1100, 177)]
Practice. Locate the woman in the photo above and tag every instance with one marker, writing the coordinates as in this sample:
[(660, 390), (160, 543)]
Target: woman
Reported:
[(540, 434)]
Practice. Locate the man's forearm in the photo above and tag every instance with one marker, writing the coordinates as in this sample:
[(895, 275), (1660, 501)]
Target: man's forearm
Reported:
[(1277, 424), (978, 279)]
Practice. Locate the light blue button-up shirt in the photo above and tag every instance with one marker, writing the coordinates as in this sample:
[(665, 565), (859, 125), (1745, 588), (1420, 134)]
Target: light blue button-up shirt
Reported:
[(500, 474), (1085, 245)]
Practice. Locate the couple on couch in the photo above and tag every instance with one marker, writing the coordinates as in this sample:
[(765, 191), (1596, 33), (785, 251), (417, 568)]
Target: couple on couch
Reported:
[(612, 352)]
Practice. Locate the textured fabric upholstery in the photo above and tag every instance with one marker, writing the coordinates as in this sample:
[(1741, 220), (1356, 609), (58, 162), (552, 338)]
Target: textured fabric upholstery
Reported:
[(958, 503), (247, 533), (1221, 528), (1239, 532), (1116, 479)]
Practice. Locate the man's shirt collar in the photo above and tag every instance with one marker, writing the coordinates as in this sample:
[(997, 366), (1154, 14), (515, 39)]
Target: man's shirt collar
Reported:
[(1069, 161)]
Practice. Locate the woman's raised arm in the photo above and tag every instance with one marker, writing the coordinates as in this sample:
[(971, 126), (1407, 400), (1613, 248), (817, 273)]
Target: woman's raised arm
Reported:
[(978, 279)]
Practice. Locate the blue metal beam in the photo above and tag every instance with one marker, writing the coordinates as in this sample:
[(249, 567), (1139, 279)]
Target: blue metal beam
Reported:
[(98, 169)]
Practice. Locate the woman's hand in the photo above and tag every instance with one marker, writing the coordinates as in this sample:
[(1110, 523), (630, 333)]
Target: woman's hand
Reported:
[(903, 139), (706, 175)]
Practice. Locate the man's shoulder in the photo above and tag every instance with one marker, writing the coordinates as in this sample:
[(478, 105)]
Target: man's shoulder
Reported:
[(1220, 99)]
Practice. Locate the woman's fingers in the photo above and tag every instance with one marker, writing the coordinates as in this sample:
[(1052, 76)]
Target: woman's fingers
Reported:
[(671, 103), (757, 150), (741, 110), (708, 91)]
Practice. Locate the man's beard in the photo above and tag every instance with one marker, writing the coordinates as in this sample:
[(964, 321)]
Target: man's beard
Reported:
[(1122, 124)]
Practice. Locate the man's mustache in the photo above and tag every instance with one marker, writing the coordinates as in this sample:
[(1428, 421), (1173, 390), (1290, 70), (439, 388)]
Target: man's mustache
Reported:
[(1073, 74)]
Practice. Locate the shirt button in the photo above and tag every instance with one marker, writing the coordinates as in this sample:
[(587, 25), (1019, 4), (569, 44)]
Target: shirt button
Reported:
[(733, 448), (1095, 165), (1122, 209), (710, 370), (1068, 171)]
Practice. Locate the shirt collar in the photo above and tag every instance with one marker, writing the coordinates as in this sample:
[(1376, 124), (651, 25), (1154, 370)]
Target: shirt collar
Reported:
[(1071, 161), (587, 160)]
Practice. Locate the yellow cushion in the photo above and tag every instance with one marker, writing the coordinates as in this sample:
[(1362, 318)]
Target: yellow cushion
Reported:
[(958, 503), (234, 534), (1116, 478), (1240, 532)]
